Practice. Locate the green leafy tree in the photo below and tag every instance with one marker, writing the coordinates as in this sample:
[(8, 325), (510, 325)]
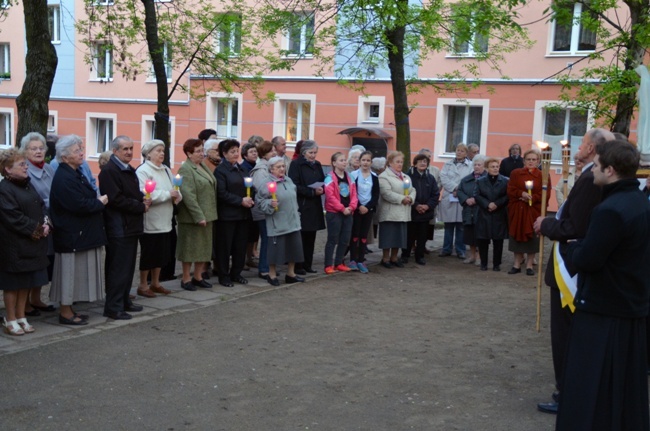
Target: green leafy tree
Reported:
[(355, 38), (606, 86), (184, 36)]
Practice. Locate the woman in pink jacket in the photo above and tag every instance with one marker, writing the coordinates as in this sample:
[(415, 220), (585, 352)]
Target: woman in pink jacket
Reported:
[(340, 203)]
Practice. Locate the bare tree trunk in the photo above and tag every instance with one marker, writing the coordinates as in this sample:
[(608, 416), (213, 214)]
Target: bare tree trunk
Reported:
[(40, 62), (398, 82), (161, 116)]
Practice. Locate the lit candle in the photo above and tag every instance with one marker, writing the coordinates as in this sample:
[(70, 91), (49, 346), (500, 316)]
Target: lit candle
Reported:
[(248, 182), (529, 187), (177, 181), (149, 187), (407, 185), (566, 159), (272, 186)]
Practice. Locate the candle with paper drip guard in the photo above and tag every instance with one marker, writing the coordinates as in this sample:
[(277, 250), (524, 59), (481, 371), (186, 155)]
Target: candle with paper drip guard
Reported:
[(546, 151), (177, 181), (407, 185), (248, 183), (149, 187), (529, 188), (272, 186)]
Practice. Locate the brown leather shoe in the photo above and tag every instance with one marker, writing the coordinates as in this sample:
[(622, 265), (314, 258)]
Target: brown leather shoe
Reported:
[(160, 289), (147, 293)]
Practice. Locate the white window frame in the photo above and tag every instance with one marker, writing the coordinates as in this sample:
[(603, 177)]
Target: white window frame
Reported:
[(7, 126), (53, 122), (280, 115), (92, 149), (440, 141), (147, 132), (233, 27), (108, 62), (539, 123), (212, 111), (55, 10), (104, 3), (5, 52), (363, 111), (575, 36), (304, 38)]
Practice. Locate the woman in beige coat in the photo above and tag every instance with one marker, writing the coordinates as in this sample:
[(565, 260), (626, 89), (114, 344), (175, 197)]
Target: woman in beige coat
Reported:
[(196, 212), (397, 194)]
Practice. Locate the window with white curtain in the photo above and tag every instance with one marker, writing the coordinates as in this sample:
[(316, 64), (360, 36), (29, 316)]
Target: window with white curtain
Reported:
[(227, 118), (573, 37), (54, 22), (5, 128), (564, 125), (464, 124)]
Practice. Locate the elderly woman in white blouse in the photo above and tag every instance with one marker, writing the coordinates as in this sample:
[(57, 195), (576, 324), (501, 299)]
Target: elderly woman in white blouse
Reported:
[(155, 243)]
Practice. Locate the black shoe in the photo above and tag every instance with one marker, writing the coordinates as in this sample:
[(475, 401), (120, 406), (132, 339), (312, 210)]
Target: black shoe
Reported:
[(134, 308), (397, 263), (404, 259), (420, 261), (529, 271), (296, 279), (301, 271), (551, 408), (273, 281), (309, 270), (201, 283), (120, 315), (226, 282), (444, 254), (188, 286), (76, 320), (496, 268), (33, 313), (264, 277), (514, 270), (556, 396), (483, 267), (385, 264), (205, 275)]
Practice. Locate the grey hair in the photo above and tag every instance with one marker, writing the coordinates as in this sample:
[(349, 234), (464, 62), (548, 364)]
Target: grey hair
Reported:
[(352, 152), (378, 163), (64, 144), (211, 144), (276, 140), (478, 158), (469, 146), (115, 143), (255, 140), (308, 144), (31, 136), (361, 148), (600, 136)]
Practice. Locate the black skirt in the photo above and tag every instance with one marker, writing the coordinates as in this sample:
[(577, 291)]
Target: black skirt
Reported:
[(155, 250), (605, 379)]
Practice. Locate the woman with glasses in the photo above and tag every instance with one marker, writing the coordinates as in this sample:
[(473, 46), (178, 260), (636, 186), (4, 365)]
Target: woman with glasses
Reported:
[(524, 206)]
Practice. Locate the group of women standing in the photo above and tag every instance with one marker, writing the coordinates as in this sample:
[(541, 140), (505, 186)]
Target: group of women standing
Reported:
[(496, 208)]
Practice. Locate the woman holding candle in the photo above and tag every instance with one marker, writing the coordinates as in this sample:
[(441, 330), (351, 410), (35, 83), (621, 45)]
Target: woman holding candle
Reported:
[(492, 219), (24, 228), (308, 176), (450, 209), (524, 206), (277, 200), (261, 176), (155, 243), (196, 212), (250, 157), (233, 206), (396, 197), (340, 203)]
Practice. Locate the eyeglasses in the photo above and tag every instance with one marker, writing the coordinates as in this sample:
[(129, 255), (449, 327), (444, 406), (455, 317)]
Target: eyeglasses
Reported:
[(20, 165)]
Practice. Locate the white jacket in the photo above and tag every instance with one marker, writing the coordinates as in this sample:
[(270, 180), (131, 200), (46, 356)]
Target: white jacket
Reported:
[(391, 193), (159, 217)]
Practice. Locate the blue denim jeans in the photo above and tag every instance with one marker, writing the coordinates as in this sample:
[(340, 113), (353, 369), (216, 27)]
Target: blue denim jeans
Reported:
[(263, 264), (449, 238), (339, 230)]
